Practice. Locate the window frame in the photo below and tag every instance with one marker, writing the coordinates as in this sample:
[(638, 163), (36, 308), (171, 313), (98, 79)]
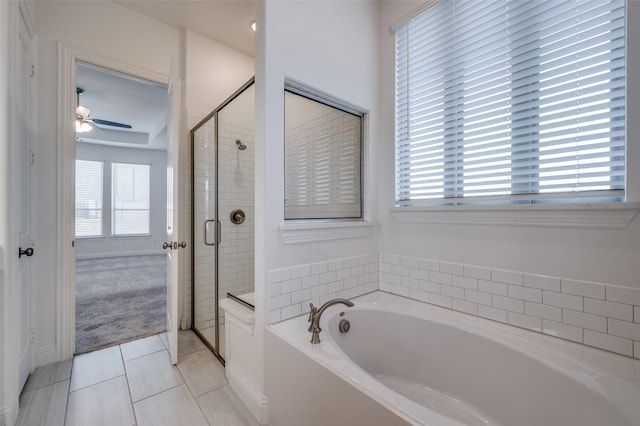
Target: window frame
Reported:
[(114, 210)]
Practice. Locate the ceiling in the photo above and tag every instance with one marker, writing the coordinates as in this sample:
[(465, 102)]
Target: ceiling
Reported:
[(125, 99)]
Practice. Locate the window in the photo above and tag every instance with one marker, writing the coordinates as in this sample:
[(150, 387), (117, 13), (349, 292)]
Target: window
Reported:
[(130, 195), (323, 143), (511, 101), (88, 198)]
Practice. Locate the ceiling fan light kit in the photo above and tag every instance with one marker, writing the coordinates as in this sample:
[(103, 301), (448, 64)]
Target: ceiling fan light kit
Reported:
[(84, 122)]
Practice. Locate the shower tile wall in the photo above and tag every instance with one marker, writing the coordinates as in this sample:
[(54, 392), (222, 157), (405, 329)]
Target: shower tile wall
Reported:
[(236, 177)]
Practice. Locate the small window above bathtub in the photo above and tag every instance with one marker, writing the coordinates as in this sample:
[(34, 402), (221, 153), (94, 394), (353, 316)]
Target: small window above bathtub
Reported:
[(323, 155)]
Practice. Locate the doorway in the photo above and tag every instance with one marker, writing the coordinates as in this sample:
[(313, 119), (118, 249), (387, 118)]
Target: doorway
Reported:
[(120, 208)]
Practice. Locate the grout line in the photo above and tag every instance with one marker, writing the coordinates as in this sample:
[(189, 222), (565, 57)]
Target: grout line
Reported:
[(126, 377)]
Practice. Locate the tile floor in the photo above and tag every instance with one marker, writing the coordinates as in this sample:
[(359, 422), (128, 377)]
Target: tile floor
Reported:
[(134, 384)]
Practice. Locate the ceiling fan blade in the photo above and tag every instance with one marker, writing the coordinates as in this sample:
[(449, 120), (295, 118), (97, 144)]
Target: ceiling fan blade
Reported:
[(110, 123)]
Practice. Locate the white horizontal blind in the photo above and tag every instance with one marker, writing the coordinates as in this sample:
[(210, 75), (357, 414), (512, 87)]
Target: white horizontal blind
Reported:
[(131, 198), (496, 99), (89, 198)]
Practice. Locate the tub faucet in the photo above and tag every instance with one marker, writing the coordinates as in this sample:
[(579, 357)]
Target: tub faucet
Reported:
[(315, 314)]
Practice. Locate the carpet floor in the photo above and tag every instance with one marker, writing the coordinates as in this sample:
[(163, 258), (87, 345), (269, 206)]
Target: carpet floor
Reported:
[(119, 299)]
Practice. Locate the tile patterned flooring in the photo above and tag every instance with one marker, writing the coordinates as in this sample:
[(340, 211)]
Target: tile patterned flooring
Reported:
[(134, 384)]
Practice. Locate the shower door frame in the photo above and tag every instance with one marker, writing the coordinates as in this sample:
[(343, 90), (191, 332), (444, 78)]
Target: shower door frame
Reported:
[(217, 238)]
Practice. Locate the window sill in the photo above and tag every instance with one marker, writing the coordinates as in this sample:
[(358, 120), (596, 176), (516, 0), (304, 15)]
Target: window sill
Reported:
[(325, 231), (591, 215)]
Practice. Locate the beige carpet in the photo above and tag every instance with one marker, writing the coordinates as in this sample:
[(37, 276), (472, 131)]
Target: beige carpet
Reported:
[(119, 299)]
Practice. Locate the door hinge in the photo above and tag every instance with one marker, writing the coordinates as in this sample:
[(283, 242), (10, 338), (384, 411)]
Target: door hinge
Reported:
[(32, 158), (32, 72), (33, 335)]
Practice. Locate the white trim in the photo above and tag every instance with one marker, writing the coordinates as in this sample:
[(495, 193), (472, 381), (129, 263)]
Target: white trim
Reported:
[(293, 233), (239, 315), (120, 254), (413, 12), (46, 355), (598, 216), (255, 401), (65, 257)]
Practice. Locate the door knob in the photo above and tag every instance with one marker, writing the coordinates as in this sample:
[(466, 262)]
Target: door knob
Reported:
[(166, 245), (182, 244), (27, 252)]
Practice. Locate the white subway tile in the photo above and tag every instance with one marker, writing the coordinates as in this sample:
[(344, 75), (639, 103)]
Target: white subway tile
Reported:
[(524, 321), (543, 311), (491, 313), (290, 311), (334, 265), (420, 274), (310, 281), (291, 285), (477, 272), (357, 270), (344, 294), (350, 262), (281, 301), (368, 288), (319, 268), (274, 316), (525, 293), (335, 287), (300, 295), (324, 299), (464, 306), (385, 267), (327, 277), (341, 274), (400, 290), (391, 278), (351, 282), (370, 268), (429, 265), (507, 277), (608, 342), (478, 297), (401, 270), (584, 320), (279, 275), (437, 299), (465, 282), (319, 290), (420, 295), (542, 282), (583, 288), (563, 331), (451, 268), (509, 304), (430, 287), (492, 287), (410, 282), (391, 259), (561, 300), (636, 314), (384, 286), (624, 329), (608, 309), (627, 295), (453, 292), (274, 289), (301, 271), (636, 354), (440, 278), (410, 262)]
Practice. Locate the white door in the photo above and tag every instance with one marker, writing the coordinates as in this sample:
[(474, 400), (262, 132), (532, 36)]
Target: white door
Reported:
[(173, 208), (24, 218)]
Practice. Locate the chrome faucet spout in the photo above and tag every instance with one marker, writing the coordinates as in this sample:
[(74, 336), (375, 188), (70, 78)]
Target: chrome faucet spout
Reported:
[(315, 314)]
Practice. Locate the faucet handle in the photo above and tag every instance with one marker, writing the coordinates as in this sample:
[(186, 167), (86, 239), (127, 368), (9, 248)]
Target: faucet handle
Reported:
[(312, 312)]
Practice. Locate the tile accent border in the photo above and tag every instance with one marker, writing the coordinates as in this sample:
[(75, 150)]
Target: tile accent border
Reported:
[(292, 289), (595, 314)]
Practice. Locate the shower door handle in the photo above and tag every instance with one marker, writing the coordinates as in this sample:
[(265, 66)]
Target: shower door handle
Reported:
[(218, 232), (206, 232)]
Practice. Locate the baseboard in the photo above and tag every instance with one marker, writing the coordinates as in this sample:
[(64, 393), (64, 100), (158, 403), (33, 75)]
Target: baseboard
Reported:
[(46, 355), (9, 415), (255, 401)]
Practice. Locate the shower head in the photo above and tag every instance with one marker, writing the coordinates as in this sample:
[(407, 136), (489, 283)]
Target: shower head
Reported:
[(241, 146)]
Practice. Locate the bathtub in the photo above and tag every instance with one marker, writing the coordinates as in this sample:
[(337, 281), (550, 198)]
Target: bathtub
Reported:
[(433, 366)]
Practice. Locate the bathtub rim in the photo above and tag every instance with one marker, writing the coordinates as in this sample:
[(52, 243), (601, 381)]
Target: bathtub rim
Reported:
[(577, 357)]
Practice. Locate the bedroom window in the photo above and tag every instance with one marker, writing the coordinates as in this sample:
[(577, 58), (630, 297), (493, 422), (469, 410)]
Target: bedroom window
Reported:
[(511, 102), (89, 198), (131, 196)]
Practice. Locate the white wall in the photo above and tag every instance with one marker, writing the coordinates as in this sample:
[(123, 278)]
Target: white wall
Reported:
[(329, 46), (601, 255), (108, 245)]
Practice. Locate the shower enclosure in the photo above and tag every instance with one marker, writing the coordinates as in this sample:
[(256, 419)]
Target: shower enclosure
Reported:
[(223, 213)]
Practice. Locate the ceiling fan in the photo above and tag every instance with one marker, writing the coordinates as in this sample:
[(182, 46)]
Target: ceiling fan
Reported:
[(83, 121)]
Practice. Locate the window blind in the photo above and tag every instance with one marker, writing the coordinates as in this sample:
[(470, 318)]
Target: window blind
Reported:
[(88, 198), (130, 192), (522, 101)]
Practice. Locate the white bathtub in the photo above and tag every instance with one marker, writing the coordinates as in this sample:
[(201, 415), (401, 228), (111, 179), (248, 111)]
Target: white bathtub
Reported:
[(430, 365)]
